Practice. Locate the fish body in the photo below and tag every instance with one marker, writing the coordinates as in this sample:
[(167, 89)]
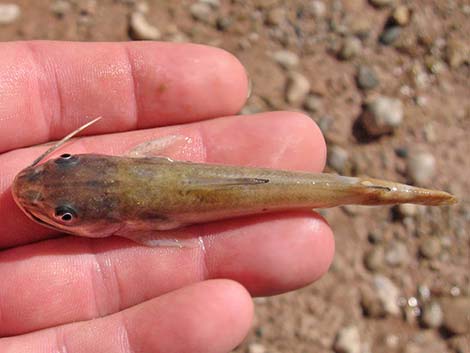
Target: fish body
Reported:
[(99, 195)]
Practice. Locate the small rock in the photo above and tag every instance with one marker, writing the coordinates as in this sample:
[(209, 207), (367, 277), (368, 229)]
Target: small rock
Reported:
[(430, 248), (425, 341), (348, 340), (382, 3), (256, 348), (250, 109), (275, 16), (297, 88), (287, 59), (142, 7), (457, 52), (324, 123), (407, 209), (401, 152), (360, 26), (390, 35), (224, 23), (371, 304), (318, 8), (338, 158), (460, 344), (140, 29), (456, 314), (396, 254), (351, 47), (401, 15), (421, 167), (430, 134), (201, 11), (60, 7), (387, 293), (366, 78), (432, 315), (375, 259), (313, 103), (212, 3), (382, 115), (9, 13), (375, 237)]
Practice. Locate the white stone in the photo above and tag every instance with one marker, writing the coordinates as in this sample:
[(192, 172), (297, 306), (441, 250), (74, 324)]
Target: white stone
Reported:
[(298, 87), (9, 13), (141, 29)]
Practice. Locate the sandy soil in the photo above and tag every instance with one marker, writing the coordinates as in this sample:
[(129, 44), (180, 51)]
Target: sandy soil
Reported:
[(418, 256)]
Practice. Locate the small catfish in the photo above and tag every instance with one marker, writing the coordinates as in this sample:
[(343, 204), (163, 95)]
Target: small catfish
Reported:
[(143, 198)]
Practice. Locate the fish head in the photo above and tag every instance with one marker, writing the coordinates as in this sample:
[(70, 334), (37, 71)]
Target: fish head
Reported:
[(52, 194)]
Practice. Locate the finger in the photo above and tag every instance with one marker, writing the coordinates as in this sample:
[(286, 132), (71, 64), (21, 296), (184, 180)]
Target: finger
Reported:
[(208, 317), (79, 279), (279, 140), (50, 88)]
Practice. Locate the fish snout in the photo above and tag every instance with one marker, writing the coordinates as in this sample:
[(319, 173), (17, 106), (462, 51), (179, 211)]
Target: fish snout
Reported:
[(26, 187)]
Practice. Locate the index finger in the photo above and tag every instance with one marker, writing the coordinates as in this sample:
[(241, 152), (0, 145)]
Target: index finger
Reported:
[(48, 89)]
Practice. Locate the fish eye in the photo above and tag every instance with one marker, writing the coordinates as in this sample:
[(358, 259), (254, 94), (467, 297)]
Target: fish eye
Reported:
[(65, 213), (66, 159)]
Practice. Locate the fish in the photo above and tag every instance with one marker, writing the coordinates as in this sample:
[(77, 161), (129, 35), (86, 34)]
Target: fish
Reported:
[(142, 198)]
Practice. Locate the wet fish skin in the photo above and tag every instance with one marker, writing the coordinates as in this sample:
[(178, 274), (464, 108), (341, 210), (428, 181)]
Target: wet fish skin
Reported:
[(99, 195)]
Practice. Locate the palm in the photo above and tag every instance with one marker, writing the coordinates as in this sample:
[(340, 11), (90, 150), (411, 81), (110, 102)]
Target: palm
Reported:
[(146, 299)]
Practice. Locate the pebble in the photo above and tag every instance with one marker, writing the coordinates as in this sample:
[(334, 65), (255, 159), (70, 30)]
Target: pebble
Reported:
[(396, 254), (371, 304), (387, 293), (457, 53), (287, 59), (297, 89), (313, 103), (401, 15), (201, 11), (360, 26), (338, 158), (390, 35), (421, 167), (382, 115), (366, 78), (425, 341), (141, 29), (432, 315), (224, 23), (256, 348), (382, 3), (9, 13), (460, 344), (213, 3), (374, 260), (348, 340), (325, 123), (430, 248), (275, 16), (351, 48), (456, 314), (318, 8), (60, 7), (407, 210)]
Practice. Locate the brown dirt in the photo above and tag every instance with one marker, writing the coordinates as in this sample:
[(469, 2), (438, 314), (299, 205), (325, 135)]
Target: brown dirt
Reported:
[(436, 119)]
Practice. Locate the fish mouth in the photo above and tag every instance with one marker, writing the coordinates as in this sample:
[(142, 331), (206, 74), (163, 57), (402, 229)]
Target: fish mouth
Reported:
[(39, 220)]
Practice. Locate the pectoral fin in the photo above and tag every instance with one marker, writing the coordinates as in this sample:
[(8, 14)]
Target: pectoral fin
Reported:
[(159, 147)]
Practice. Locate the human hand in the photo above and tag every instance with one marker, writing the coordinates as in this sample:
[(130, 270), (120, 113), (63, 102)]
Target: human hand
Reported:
[(72, 294)]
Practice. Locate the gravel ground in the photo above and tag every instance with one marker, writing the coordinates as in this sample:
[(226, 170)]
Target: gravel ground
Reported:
[(388, 83)]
